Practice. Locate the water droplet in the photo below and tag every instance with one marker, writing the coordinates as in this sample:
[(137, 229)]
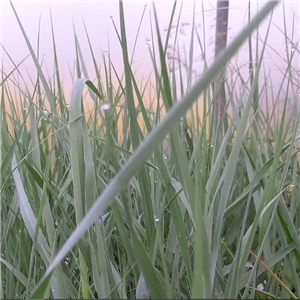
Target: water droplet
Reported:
[(293, 49), (211, 145), (20, 231), (105, 105), (41, 267), (56, 223), (156, 219), (148, 42), (46, 113), (292, 184), (42, 246), (67, 105), (260, 287), (52, 290), (165, 156)]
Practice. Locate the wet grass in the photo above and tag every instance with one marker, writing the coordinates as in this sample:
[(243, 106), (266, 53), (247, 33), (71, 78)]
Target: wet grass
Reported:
[(137, 200)]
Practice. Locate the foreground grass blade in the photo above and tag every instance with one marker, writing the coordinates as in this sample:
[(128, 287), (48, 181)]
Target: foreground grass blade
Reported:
[(28, 215)]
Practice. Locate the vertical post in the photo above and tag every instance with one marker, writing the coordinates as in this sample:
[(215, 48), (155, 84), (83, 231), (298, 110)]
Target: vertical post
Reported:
[(220, 44)]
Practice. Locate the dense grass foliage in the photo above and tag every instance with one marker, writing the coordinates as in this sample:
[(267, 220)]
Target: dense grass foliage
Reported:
[(156, 198)]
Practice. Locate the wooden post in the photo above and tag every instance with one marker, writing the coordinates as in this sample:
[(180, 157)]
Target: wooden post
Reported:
[(220, 44)]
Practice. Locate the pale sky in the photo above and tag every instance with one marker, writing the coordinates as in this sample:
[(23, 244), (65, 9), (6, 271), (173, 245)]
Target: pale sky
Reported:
[(98, 17)]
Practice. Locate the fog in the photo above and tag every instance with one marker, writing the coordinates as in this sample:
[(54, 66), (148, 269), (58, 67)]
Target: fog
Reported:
[(101, 19)]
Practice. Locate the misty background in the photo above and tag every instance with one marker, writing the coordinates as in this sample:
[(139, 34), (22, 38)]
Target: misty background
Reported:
[(101, 20)]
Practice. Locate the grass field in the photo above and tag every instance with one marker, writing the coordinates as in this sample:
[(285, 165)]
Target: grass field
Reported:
[(151, 200)]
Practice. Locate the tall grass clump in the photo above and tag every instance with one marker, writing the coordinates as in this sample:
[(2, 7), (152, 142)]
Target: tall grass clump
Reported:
[(136, 199)]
